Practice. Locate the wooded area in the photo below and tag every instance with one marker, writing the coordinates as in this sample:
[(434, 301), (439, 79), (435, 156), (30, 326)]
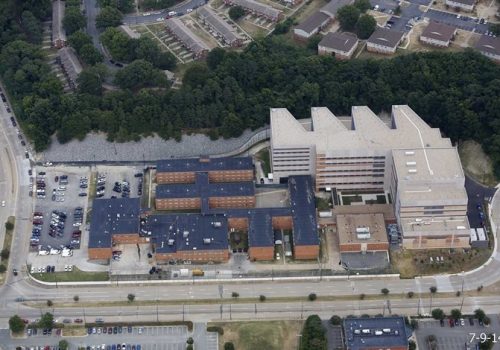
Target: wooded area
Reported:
[(457, 92)]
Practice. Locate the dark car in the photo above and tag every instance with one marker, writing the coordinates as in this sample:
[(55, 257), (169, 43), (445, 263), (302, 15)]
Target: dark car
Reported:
[(23, 143), (52, 268), (120, 330), (441, 322), (14, 272), (130, 329), (471, 321), (115, 330)]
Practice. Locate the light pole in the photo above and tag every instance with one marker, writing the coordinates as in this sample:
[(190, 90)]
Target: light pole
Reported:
[(462, 292)]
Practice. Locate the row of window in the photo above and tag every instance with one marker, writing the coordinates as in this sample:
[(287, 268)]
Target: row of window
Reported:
[(350, 171)]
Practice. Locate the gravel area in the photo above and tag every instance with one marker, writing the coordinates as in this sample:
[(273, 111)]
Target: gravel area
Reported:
[(95, 148)]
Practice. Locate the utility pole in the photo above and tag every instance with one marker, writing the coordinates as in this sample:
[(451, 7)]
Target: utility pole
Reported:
[(182, 312), (230, 312)]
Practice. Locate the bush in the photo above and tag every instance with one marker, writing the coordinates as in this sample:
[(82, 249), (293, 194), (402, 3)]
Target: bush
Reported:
[(131, 297), (189, 347), (362, 296), (262, 298), (384, 291), (228, 346), (335, 320), (9, 226), (410, 294), (190, 341), (4, 254), (49, 303), (76, 298), (235, 294), (236, 12), (312, 297), (217, 329), (2, 268), (16, 324)]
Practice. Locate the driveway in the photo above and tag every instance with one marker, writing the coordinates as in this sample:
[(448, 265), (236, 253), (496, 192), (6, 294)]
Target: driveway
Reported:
[(477, 194)]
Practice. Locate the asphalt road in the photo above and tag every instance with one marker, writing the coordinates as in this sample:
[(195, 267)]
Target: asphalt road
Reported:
[(477, 194), (153, 16)]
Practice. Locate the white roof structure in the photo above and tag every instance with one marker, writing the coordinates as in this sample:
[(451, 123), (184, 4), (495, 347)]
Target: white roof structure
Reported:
[(367, 131), (222, 27), (184, 34)]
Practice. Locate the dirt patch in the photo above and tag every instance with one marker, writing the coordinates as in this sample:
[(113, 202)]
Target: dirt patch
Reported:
[(411, 263), (476, 163), (74, 331), (380, 17), (268, 335), (464, 39), (487, 9)]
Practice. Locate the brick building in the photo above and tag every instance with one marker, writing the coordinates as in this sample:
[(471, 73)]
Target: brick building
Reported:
[(113, 221), (384, 41), (438, 34), (362, 233)]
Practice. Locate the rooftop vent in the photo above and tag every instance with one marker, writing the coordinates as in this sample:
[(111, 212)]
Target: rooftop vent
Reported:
[(409, 153), (412, 171), (411, 163)]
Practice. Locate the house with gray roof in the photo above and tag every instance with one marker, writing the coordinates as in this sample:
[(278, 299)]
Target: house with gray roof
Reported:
[(438, 34), (384, 41), (466, 5), (312, 25), (340, 45), (189, 40), (70, 65), (489, 46), (219, 26)]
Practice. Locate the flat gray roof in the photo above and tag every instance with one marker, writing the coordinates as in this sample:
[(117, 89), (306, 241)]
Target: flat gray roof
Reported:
[(376, 332)]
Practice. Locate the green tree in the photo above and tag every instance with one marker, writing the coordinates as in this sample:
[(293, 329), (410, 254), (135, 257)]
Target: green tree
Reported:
[(90, 81), (89, 54), (488, 343), (5, 253), (438, 314), (196, 75), (130, 297), (348, 17), (232, 126), (362, 5), (312, 296), (108, 17), (229, 346), (124, 6), (236, 12), (384, 291), (190, 340), (336, 320), (365, 26), (117, 44), (9, 226), (79, 39), (215, 57), (63, 344), (49, 303), (397, 10), (312, 43), (235, 294), (16, 324), (479, 314), (73, 20), (47, 320), (410, 294), (3, 268), (31, 26), (262, 298), (412, 345), (76, 298), (455, 314), (313, 334), (139, 74)]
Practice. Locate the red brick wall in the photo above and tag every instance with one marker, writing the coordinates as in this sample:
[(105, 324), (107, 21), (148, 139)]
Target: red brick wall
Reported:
[(230, 176), (282, 222), (177, 203), (99, 253), (132, 238), (196, 255), (240, 224), (306, 252), (261, 253), (350, 247), (378, 246), (232, 202), (175, 177)]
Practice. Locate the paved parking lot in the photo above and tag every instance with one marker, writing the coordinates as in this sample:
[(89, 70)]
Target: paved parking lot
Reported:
[(464, 22), (150, 338), (453, 338), (120, 174)]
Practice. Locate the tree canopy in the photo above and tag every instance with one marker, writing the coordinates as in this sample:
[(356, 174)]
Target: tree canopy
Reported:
[(348, 17), (365, 26), (313, 334), (108, 17), (73, 20), (362, 5), (16, 324), (438, 314), (47, 320), (125, 6), (236, 12)]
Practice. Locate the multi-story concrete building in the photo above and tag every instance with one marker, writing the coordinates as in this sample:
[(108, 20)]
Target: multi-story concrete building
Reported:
[(363, 154)]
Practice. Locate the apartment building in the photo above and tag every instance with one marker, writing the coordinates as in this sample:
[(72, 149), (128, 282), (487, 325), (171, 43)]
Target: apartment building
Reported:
[(363, 154), (188, 39), (489, 46), (384, 41), (340, 45), (257, 8), (438, 34), (466, 5), (219, 26)]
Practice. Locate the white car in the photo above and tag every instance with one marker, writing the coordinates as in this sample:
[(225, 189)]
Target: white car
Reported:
[(70, 268), (3, 203), (54, 252), (159, 19), (189, 10), (66, 253), (33, 269), (43, 252)]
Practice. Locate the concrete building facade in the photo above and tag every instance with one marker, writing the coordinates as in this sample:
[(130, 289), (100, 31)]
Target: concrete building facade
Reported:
[(417, 167)]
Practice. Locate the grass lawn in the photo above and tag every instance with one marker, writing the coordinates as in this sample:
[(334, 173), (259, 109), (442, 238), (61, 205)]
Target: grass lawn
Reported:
[(411, 263), (6, 245), (268, 335), (74, 331), (74, 276), (347, 200), (263, 156)]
